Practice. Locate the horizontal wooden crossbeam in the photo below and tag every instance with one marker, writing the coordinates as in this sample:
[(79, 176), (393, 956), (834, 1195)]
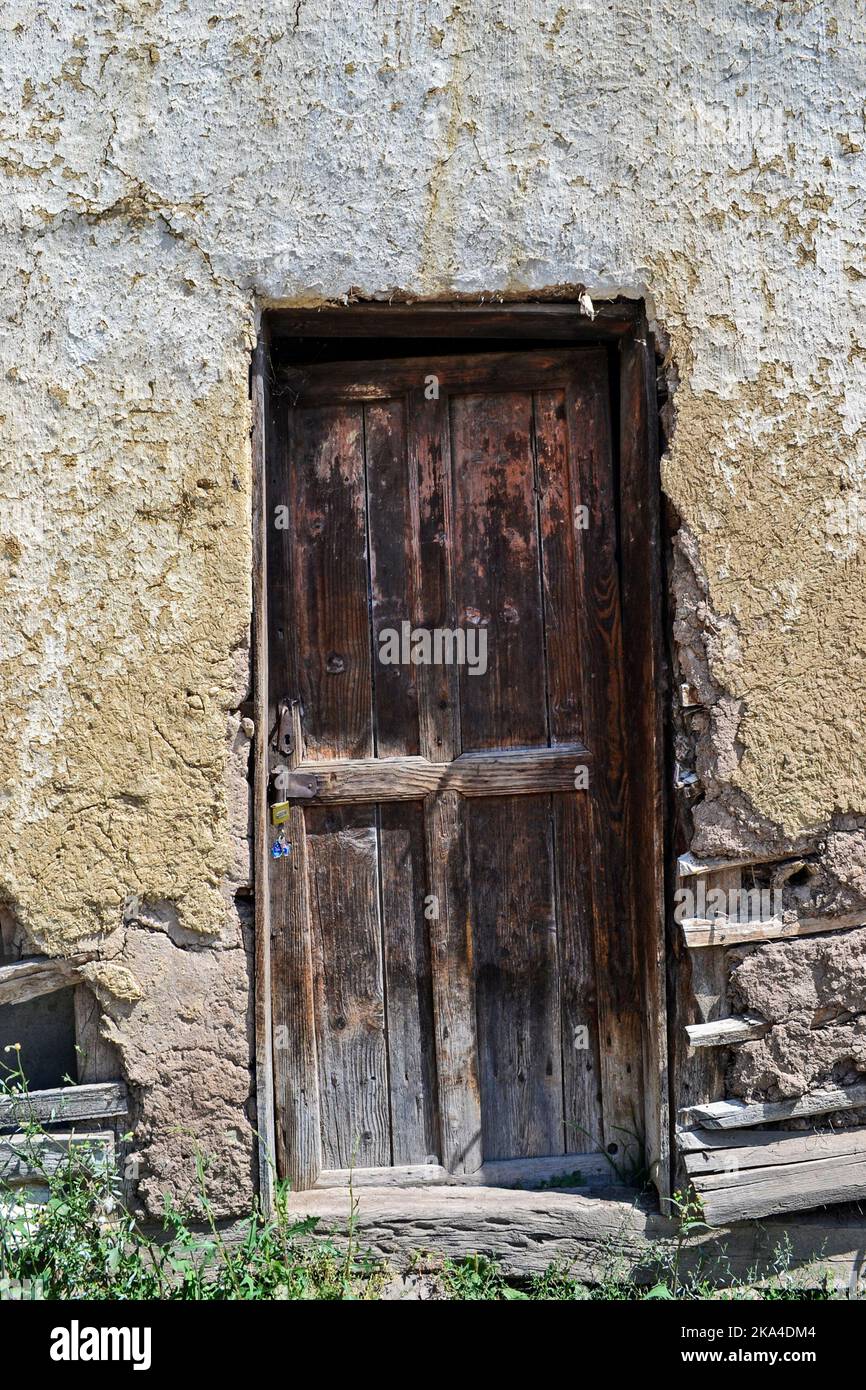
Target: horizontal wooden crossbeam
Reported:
[(96, 1101), (26, 1158), (724, 931), (722, 1032), (688, 866), (510, 772), (739, 1114), (21, 980)]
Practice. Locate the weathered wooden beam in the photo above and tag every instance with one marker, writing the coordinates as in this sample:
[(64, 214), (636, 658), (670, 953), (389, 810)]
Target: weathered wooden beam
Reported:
[(722, 931), (808, 1171), (266, 1144), (518, 771), (21, 980), (527, 1231), (688, 865), (28, 1158), (722, 1032), (708, 1151), (739, 1114), (563, 321), (98, 1101)]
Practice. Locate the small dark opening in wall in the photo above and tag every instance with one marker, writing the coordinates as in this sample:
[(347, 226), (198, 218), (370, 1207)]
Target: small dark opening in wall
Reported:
[(45, 1030), (42, 1030)]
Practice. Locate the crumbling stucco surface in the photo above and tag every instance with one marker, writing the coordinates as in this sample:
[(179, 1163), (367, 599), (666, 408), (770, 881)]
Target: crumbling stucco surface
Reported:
[(168, 166)]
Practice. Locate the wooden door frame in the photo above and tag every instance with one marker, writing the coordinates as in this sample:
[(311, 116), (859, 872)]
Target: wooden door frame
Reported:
[(622, 326)]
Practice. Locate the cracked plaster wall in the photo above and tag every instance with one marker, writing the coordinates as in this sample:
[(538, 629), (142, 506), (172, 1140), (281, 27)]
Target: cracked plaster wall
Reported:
[(167, 166)]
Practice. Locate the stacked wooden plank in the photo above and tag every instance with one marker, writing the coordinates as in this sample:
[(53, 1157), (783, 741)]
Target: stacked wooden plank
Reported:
[(743, 1175), (738, 1173), (31, 1147)]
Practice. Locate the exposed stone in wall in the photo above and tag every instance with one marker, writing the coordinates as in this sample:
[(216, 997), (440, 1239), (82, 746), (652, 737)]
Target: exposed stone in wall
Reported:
[(813, 990), (168, 167)]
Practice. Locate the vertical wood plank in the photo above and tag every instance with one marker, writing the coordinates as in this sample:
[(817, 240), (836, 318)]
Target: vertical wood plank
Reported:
[(262, 984), (620, 1034), (516, 976), (438, 710), (645, 692), (581, 1067), (571, 828), (411, 1054), (392, 573), (342, 847), (330, 612), (497, 581), (298, 1133), (97, 1058)]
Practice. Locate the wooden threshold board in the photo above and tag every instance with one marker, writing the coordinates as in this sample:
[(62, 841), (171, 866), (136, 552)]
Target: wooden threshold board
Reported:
[(577, 1171)]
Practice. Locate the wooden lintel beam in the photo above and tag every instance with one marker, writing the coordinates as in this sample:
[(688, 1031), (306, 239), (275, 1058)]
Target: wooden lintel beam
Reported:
[(21, 980)]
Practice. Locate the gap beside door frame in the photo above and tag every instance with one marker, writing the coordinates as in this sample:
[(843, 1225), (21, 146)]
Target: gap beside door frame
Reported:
[(621, 326)]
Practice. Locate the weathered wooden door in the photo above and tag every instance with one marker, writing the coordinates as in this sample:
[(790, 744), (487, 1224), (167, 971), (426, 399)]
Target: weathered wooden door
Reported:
[(453, 958)]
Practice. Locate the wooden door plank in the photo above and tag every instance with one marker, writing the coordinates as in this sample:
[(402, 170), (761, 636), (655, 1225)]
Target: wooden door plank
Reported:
[(570, 809), (516, 978), (498, 585), (497, 576), (296, 1078), (451, 949), (330, 601), (598, 606), (358, 382), (438, 710), (581, 1069), (392, 574), (409, 997), (342, 846)]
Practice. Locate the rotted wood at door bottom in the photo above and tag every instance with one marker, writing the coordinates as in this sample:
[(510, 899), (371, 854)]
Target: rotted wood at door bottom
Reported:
[(453, 962)]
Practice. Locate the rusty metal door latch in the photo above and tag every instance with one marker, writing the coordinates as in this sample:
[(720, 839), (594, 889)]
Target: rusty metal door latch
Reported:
[(295, 786), (288, 784)]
